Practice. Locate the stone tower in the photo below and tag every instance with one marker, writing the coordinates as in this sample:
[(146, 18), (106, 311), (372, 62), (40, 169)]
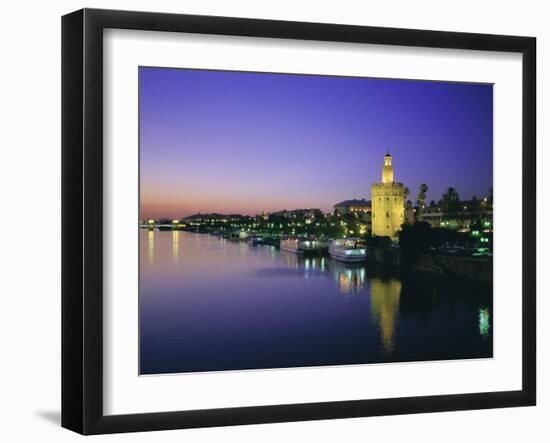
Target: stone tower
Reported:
[(388, 205)]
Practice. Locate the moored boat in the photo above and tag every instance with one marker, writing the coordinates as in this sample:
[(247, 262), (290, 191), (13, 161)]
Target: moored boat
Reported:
[(348, 249), (302, 246)]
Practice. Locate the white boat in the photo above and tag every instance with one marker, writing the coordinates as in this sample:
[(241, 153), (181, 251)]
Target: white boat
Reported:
[(302, 246), (348, 249)]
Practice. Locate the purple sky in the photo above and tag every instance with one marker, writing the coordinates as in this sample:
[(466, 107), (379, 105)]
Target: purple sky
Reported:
[(214, 141)]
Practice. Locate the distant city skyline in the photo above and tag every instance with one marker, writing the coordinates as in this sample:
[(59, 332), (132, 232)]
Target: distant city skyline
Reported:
[(247, 143)]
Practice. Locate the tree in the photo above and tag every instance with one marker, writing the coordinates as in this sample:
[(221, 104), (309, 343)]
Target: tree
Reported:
[(421, 198), (421, 238), (413, 240), (406, 193), (450, 204)]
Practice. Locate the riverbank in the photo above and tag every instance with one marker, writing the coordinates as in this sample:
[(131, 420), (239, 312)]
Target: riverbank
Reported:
[(465, 268)]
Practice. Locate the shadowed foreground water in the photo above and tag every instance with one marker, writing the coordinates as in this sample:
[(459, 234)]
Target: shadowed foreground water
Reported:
[(209, 304)]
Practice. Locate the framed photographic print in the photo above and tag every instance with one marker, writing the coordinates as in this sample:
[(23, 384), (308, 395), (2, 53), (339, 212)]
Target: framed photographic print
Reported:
[(269, 221)]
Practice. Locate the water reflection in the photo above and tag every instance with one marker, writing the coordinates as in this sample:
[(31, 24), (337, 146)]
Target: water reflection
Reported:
[(349, 278), (384, 302), (484, 322), (308, 266), (175, 245), (212, 304), (291, 260), (151, 245)]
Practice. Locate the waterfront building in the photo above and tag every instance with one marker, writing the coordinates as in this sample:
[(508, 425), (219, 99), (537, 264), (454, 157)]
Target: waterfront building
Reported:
[(353, 205), (467, 214), (387, 203), (433, 215), (215, 217), (361, 208)]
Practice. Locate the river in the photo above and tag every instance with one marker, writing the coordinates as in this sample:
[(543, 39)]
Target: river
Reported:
[(209, 304)]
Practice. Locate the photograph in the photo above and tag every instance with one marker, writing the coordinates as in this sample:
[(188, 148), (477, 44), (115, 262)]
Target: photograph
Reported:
[(293, 220)]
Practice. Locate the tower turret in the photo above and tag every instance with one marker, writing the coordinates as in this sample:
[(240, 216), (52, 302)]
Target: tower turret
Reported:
[(387, 169), (388, 200)]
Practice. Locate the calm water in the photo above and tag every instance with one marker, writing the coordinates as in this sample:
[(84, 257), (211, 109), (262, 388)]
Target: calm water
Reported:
[(210, 304)]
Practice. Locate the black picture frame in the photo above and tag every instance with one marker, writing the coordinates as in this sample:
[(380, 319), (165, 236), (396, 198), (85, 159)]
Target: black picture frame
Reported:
[(82, 218)]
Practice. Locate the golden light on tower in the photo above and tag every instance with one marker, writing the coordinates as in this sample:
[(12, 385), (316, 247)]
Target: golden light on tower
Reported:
[(387, 169), (388, 203)]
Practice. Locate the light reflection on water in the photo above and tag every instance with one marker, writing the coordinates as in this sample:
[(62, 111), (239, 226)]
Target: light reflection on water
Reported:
[(151, 246), (175, 245), (214, 304), (484, 322)]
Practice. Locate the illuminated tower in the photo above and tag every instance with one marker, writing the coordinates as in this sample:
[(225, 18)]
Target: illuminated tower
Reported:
[(388, 205), (387, 169)]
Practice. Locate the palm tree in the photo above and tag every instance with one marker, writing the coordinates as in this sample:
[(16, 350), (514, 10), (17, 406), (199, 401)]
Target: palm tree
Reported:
[(421, 198)]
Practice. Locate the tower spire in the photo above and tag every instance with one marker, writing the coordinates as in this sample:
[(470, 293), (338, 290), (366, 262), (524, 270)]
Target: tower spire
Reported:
[(387, 169)]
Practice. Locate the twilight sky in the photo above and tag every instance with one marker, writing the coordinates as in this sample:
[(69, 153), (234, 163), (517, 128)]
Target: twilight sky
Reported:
[(235, 142)]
